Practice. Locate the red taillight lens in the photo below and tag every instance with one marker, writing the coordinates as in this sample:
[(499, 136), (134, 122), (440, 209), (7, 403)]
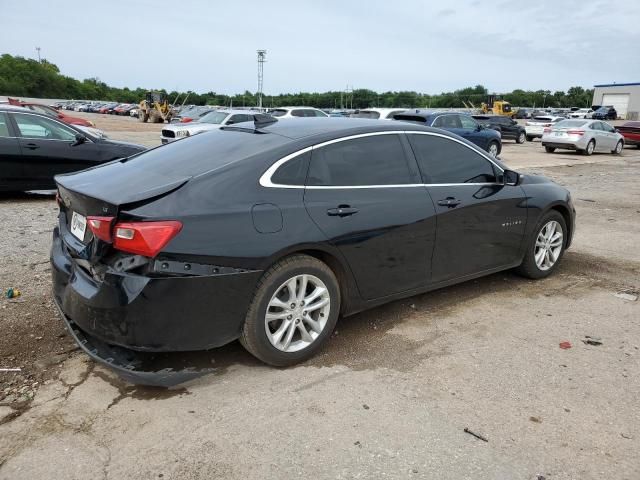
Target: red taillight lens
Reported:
[(144, 238), (100, 227), (547, 130), (186, 120), (575, 132)]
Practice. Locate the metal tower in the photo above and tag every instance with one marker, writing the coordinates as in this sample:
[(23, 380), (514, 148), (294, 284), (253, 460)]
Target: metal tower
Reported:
[(261, 59)]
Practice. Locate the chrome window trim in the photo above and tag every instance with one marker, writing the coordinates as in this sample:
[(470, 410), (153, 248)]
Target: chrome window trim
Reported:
[(265, 179)]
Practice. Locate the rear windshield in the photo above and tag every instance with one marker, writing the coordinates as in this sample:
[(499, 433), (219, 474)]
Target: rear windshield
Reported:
[(279, 113), (542, 119), (201, 153), (410, 118), (570, 123), (213, 117), (366, 114)]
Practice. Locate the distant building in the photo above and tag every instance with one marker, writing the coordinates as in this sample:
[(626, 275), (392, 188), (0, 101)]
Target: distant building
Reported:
[(624, 97)]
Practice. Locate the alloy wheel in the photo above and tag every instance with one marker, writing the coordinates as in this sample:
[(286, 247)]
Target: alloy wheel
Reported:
[(590, 147), (619, 147), (548, 245), (493, 149), (297, 313)]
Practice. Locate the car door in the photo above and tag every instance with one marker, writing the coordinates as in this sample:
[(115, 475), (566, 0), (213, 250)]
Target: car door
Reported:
[(49, 148), (366, 196), (480, 221), (509, 127), (602, 142), (11, 170), (610, 133)]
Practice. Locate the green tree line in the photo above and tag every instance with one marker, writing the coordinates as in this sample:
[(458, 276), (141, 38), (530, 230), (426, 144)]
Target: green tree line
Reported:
[(24, 77)]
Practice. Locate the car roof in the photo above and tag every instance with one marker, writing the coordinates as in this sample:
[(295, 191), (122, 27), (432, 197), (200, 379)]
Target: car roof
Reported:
[(6, 106), (296, 108), (304, 127)]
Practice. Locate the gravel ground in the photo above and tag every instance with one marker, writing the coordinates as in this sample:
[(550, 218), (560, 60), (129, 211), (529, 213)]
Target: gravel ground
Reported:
[(391, 394)]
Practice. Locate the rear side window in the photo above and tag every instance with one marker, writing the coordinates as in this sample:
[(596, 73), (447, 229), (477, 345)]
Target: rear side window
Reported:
[(374, 160), (442, 160), (293, 172), (4, 125), (299, 113), (279, 113), (366, 114)]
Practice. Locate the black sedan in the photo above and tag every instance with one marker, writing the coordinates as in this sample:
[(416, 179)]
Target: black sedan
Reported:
[(35, 147), (268, 232), (509, 129)]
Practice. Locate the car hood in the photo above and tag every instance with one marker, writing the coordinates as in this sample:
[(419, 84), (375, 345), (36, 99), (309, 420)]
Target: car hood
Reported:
[(116, 143), (528, 179)]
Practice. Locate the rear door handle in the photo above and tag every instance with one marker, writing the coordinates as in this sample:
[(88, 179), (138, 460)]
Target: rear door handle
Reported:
[(449, 202), (342, 211), (32, 146)]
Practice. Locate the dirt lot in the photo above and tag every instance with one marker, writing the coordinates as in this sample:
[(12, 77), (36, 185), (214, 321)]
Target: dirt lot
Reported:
[(391, 394)]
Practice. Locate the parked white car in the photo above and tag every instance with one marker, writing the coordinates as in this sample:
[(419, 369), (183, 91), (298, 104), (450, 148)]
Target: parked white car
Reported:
[(288, 112), (581, 113), (534, 128), (585, 136), (211, 121), (377, 113)]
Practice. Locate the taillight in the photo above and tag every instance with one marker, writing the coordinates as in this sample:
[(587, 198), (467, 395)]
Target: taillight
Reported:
[(185, 120), (100, 227), (575, 132), (144, 238), (547, 130)]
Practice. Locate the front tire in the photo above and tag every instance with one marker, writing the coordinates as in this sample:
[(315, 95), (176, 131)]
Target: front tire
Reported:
[(618, 149), (293, 312), (549, 149), (545, 247), (493, 149)]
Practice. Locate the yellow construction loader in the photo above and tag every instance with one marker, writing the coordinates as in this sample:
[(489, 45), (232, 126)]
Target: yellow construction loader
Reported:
[(155, 108)]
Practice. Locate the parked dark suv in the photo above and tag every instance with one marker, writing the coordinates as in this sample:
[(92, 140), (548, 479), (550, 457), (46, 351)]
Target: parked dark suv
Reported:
[(459, 123), (605, 113), (509, 129)]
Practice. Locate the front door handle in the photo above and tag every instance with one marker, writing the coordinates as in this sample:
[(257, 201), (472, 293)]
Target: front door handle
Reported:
[(32, 146), (342, 211), (449, 202)]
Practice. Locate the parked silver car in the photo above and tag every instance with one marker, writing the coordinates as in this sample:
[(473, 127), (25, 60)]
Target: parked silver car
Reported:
[(535, 127), (586, 136)]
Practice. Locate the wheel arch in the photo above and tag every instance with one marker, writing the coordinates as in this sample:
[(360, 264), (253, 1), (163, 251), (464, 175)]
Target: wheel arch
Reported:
[(349, 294), (566, 214)]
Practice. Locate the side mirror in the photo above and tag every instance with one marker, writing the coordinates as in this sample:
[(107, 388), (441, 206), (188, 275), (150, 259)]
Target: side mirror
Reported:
[(479, 127), (80, 139), (511, 178)]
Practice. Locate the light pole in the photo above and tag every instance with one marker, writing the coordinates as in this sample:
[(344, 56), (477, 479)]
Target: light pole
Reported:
[(261, 59), (38, 50)]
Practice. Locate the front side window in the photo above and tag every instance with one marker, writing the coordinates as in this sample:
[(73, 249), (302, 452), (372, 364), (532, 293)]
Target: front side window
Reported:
[(299, 113), (278, 113), (319, 113), (443, 160), (34, 126), (468, 123), (373, 160), (447, 121)]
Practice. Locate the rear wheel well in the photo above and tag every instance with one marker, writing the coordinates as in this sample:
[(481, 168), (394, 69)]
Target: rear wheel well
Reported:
[(338, 270)]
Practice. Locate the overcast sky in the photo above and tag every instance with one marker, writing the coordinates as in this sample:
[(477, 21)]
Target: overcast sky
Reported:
[(324, 45)]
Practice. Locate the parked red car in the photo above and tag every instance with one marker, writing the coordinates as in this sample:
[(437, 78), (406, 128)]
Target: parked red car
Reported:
[(52, 112), (631, 133)]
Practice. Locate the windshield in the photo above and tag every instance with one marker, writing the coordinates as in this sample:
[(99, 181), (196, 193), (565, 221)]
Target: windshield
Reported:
[(213, 117), (279, 113), (366, 114), (570, 123), (603, 109)]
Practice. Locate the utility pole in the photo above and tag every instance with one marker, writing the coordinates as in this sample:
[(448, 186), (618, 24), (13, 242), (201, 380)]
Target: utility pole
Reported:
[(261, 59), (38, 50)]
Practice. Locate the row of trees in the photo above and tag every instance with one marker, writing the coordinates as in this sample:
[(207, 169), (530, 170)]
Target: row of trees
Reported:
[(23, 77)]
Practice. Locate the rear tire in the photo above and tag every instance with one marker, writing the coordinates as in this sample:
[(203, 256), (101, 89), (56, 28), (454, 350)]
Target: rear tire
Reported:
[(521, 138), (591, 146), (273, 297), (549, 149), (619, 147), (143, 116), (534, 264)]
